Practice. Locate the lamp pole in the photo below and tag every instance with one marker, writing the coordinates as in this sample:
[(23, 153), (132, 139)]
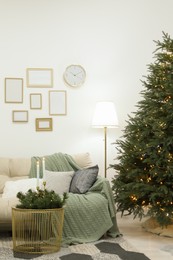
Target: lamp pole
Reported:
[(105, 143)]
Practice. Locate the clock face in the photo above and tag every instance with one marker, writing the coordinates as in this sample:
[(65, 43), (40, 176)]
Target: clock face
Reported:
[(74, 75)]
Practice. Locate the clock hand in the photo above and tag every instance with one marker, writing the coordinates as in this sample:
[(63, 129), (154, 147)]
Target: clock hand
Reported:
[(78, 72), (75, 75), (72, 73), (78, 77)]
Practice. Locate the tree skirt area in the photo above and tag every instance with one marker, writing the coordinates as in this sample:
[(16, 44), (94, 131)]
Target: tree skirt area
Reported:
[(104, 249), (151, 225)]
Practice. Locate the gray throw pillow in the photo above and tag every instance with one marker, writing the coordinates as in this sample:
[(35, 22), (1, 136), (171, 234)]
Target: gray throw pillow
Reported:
[(83, 180)]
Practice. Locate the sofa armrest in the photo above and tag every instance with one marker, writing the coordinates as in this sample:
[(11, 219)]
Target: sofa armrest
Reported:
[(102, 186)]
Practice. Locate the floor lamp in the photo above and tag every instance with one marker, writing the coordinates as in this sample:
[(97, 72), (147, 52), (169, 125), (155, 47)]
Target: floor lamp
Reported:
[(105, 116)]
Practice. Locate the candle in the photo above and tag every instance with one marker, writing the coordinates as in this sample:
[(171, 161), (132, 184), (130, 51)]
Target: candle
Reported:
[(38, 174), (43, 165)]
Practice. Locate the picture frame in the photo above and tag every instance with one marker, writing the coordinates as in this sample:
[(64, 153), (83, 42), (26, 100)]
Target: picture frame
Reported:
[(13, 90), (20, 116), (43, 124), (35, 101), (39, 77), (57, 102)]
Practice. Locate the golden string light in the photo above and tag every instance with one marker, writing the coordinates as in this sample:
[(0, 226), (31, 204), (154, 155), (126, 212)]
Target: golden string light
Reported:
[(167, 99), (133, 198), (148, 179)]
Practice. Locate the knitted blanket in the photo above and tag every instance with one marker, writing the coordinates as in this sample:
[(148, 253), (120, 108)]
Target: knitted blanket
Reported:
[(89, 216), (55, 162)]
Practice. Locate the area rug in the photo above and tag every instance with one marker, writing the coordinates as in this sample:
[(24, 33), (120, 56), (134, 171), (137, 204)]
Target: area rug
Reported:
[(104, 249)]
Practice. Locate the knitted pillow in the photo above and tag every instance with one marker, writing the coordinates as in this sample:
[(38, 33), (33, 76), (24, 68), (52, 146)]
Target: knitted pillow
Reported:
[(58, 181), (83, 179)]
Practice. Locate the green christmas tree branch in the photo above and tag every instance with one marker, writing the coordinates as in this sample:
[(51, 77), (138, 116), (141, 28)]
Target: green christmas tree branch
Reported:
[(145, 151), (41, 199)]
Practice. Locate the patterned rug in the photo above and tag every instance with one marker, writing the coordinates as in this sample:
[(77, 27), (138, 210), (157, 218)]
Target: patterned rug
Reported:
[(104, 249)]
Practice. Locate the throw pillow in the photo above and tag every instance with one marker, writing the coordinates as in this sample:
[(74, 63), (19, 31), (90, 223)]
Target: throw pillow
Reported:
[(83, 160), (11, 188), (83, 179), (58, 181), (3, 180)]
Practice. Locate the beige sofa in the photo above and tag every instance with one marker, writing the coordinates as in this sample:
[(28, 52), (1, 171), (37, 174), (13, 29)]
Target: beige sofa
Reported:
[(88, 215), (12, 169)]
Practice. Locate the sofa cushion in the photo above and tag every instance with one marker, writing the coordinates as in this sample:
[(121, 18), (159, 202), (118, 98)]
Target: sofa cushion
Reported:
[(58, 181), (83, 179), (20, 166), (3, 179), (11, 188), (82, 159), (5, 214), (4, 166)]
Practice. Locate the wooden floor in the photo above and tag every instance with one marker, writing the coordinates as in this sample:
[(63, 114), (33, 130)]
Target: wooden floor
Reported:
[(155, 247)]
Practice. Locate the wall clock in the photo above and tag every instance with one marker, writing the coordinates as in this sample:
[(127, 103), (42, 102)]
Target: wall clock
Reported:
[(74, 75)]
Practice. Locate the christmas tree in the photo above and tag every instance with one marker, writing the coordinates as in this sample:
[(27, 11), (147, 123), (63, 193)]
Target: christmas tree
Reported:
[(144, 184)]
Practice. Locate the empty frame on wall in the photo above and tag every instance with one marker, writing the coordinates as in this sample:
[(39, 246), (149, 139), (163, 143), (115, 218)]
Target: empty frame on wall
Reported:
[(57, 102), (35, 78), (39, 77), (20, 116), (35, 101), (13, 90), (43, 124)]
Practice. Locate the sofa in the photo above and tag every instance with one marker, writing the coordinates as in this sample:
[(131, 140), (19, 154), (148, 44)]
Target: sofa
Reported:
[(89, 212)]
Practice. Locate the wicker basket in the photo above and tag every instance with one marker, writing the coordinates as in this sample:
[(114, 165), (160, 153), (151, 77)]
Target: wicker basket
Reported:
[(37, 231)]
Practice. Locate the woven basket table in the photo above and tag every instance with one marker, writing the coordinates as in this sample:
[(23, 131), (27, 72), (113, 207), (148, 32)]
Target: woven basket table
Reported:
[(37, 231)]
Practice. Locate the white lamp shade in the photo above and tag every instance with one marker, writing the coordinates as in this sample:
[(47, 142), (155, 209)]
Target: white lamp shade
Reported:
[(105, 115)]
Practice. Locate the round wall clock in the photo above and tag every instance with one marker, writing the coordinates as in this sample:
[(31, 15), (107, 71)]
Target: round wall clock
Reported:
[(74, 75)]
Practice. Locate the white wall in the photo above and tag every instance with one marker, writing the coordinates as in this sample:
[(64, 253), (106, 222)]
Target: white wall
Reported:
[(111, 39)]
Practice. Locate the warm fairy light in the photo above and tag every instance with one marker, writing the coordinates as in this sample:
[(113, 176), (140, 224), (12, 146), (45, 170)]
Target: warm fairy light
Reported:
[(167, 99), (151, 166), (149, 179), (133, 197), (170, 157)]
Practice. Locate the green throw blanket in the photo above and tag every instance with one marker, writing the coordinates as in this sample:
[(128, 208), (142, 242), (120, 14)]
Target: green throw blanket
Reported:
[(55, 162), (87, 216)]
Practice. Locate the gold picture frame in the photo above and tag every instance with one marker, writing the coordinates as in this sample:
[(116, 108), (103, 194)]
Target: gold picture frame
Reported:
[(20, 116), (43, 124), (39, 77), (35, 101), (13, 90), (57, 102)]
